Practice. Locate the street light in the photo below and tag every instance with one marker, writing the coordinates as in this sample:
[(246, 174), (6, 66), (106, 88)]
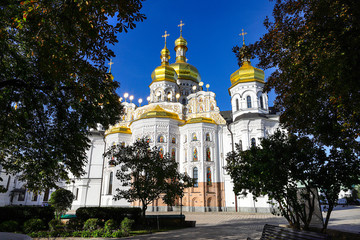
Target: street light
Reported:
[(131, 98), (177, 97), (194, 88), (140, 101), (126, 96), (201, 84), (120, 99), (148, 99), (207, 87)]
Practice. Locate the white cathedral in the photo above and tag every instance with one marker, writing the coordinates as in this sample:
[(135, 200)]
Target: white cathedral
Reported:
[(181, 119)]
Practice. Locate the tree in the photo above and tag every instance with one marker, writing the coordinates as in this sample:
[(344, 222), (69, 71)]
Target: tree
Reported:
[(146, 175), (314, 45), (53, 83), (61, 200), (281, 163)]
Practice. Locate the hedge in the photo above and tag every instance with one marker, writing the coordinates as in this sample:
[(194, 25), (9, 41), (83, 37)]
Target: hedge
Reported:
[(21, 214), (105, 213)]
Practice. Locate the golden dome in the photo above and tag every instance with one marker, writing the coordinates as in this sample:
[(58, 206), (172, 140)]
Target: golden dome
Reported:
[(180, 42), (186, 71), (159, 112), (164, 72), (200, 120), (247, 73), (119, 129)]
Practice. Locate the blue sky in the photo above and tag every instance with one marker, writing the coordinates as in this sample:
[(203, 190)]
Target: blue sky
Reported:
[(211, 29)]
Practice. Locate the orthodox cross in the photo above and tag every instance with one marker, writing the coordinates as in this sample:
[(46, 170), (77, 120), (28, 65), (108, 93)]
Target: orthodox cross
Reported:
[(243, 35), (165, 36), (110, 63), (181, 25)]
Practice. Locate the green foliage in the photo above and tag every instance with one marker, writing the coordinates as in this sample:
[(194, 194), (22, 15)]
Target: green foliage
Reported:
[(61, 200), (117, 234), (9, 226), (281, 162), (53, 69), (91, 224), (34, 225), (86, 233), (76, 233), (54, 224), (126, 226), (22, 213), (111, 225), (74, 224), (314, 47), (146, 174), (97, 233), (106, 213)]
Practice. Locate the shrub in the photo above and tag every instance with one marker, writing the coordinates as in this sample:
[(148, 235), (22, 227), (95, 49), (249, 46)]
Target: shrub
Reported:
[(97, 233), (106, 213), (117, 234), (9, 226), (91, 224), (85, 234), (76, 234), (33, 225), (126, 226), (55, 224), (108, 234), (74, 224), (110, 225), (21, 214)]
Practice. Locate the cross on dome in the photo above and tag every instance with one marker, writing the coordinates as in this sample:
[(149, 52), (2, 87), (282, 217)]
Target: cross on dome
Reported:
[(243, 35), (180, 26), (165, 36), (110, 63)]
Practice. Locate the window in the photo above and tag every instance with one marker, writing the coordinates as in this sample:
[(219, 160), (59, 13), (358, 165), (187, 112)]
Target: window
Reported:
[(261, 102), (22, 194), (46, 195), (76, 193), (184, 101), (173, 140), (195, 155), (208, 176), (161, 139), (110, 183), (194, 137), (207, 137), (34, 196), (195, 177), (253, 142), (240, 145), (237, 104), (173, 154), (161, 152), (208, 155), (248, 100)]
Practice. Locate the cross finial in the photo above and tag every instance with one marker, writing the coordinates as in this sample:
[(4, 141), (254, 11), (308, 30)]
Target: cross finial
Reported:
[(110, 63), (165, 36), (243, 35), (181, 25)]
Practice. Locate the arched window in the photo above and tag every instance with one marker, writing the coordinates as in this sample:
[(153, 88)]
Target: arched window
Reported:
[(184, 101), (237, 104), (110, 183), (248, 100), (253, 142), (208, 155), (208, 176), (34, 196), (207, 137), (195, 177), (46, 195), (261, 102), (195, 155)]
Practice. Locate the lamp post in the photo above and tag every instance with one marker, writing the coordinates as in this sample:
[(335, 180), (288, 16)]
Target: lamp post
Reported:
[(148, 99), (207, 87), (140, 101), (126, 96), (177, 97), (201, 84), (120, 99), (194, 88), (131, 98)]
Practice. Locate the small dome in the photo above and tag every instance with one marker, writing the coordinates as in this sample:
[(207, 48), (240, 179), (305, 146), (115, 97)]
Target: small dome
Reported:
[(164, 73), (118, 129), (165, 52), (200, 120), (159, 112), (180, 42), (247, 73), (186, 71)]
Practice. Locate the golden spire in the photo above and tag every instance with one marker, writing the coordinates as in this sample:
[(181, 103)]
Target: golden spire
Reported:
[(180, 26), (110, 63), (165, 36), (243, 35)]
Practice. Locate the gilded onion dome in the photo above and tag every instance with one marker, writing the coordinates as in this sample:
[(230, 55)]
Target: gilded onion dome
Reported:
[(164, 72), (118, 129), (184, 70), (200, 120), (247, 73)]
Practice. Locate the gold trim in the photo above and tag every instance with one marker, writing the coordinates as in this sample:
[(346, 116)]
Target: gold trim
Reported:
[(200, 120), (121, 129)]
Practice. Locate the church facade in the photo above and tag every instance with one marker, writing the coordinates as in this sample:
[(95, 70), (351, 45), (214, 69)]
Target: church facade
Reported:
[(183, 119)]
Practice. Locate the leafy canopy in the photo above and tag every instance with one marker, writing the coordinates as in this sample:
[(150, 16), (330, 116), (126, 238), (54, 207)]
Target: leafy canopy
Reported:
[(146, 175), (314, 45), (61, 200), (282, 162), (53, 82)]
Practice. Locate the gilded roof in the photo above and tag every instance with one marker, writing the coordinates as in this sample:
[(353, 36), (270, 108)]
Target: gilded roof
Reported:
[(247, 73), (159, 112), (186, 71), (118, 129), (200, 120)]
